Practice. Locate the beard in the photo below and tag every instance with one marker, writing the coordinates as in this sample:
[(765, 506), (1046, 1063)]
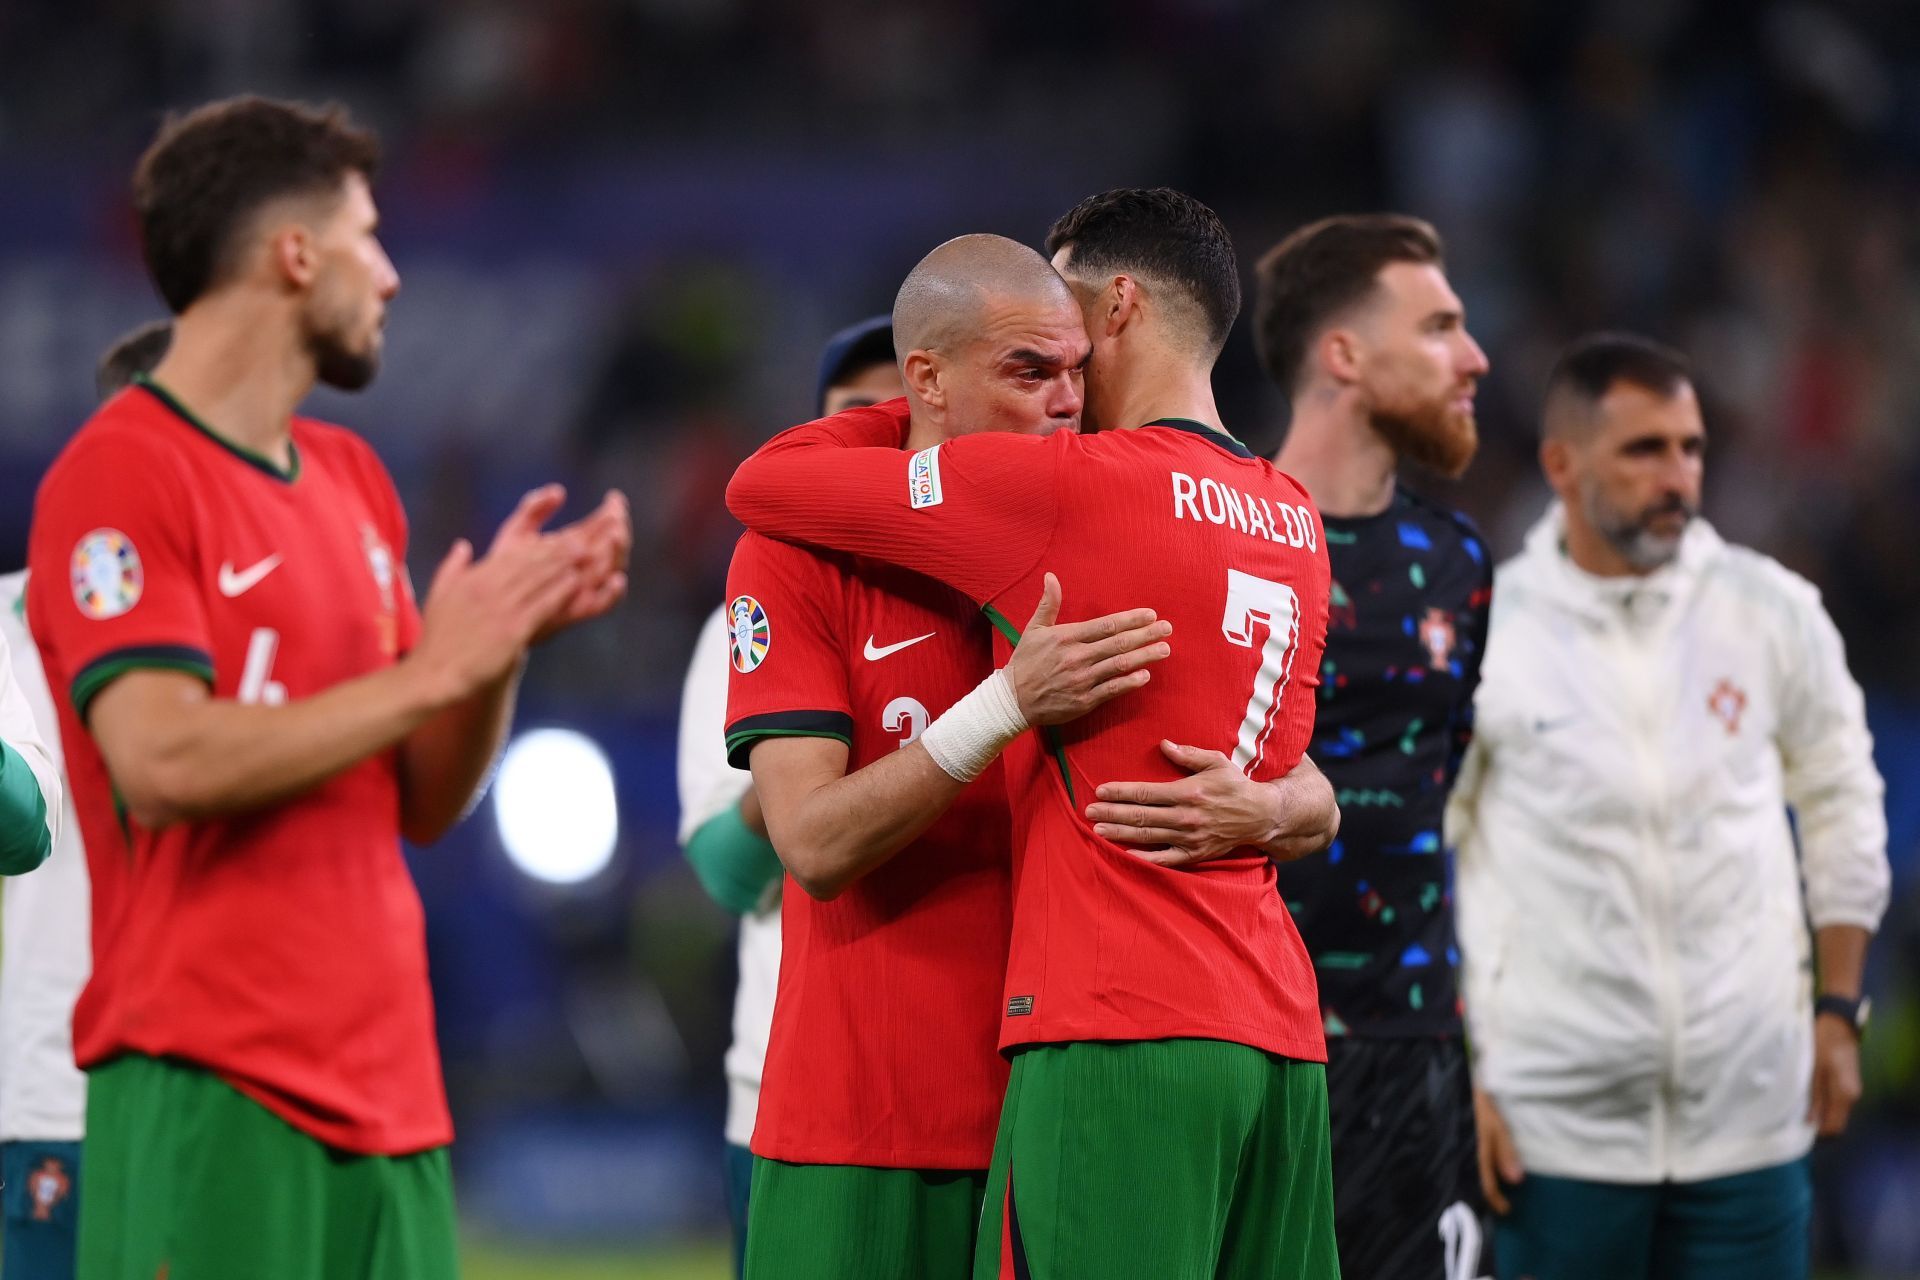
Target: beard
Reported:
[(335, 364), (1435, 435), (1633, 535)]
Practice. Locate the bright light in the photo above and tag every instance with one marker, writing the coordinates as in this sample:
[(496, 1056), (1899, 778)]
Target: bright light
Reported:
[(554, 805)]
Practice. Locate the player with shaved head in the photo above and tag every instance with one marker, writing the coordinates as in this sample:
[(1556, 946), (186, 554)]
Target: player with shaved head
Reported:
[(881, 1084), (1166, 1111)]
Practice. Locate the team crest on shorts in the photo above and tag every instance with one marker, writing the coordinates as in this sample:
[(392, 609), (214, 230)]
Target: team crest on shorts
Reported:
[(752, 636), (47, 1186), (106, 574)]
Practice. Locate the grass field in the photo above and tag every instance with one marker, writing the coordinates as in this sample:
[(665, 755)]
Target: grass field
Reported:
[(488, 1260)]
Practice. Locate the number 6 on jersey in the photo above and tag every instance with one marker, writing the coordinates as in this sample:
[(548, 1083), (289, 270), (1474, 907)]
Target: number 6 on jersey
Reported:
[(1252, 600)]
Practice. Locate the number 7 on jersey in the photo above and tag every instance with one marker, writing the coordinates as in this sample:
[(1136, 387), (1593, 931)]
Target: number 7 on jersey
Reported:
[(1251, 601)]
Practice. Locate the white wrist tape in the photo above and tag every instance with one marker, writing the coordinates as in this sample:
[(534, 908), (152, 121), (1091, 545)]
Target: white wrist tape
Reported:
[(967, 736)]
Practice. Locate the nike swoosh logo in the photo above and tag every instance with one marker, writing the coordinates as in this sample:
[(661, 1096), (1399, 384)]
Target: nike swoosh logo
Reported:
[(1548, 726), (236, 584), (874, 654)]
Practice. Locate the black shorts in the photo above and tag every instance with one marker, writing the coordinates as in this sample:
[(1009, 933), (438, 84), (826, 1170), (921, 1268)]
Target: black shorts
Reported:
[(1406, 1181)]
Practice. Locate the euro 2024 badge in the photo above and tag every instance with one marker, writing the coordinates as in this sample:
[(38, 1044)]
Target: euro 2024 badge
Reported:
[(106, 574), (751, 634)]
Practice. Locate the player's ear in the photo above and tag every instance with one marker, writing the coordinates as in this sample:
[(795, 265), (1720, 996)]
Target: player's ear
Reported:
[(1120, 304), (1558, 463), (922, 372), (1339, 355), (295, 255)]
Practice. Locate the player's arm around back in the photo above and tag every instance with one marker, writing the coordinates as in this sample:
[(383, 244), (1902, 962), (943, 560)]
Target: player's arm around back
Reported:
[(831, 827), (178, 753), (975, 512)]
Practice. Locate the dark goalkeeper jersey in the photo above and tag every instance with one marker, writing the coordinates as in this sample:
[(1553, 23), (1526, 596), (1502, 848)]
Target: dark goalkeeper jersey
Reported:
[(1405, 631)]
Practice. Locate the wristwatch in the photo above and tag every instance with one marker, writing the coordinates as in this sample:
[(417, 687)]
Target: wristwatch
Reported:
[(1852, 1012)]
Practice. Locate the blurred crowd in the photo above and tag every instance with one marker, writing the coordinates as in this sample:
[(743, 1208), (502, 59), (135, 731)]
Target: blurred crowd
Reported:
[(624, 227), (701, 188)]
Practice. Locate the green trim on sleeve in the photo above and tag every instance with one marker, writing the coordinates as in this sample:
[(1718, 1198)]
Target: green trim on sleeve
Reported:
[(1048, 734), (25, 841), (108, 667), (747, 730), (733, 865)]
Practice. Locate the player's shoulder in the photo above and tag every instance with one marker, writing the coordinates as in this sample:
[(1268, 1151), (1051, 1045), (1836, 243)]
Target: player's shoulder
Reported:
[(772, 559), (1757, 579), (129, 431), (1444, 527)]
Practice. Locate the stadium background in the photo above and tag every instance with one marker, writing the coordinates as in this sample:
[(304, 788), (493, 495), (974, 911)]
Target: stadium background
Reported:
[(624, 228)]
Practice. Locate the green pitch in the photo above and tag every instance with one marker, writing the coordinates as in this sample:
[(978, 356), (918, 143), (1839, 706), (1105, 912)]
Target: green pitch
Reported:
[(492, 1261)]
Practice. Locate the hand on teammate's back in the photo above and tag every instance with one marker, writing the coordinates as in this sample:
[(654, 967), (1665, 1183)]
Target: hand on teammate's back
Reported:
[(1062, 670), (480, 616), (1217, 810)]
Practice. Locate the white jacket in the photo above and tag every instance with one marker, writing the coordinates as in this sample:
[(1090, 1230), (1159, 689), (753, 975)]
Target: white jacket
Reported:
[(1637, 962)]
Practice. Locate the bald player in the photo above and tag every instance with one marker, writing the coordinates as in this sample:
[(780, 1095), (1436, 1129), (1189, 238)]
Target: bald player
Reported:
[(1166, 1114), (881, 1083)]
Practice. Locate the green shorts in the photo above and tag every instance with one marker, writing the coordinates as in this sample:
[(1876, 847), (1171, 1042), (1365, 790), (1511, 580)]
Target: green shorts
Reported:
[(184, 1176), (1176, 1159), (850, 1222)]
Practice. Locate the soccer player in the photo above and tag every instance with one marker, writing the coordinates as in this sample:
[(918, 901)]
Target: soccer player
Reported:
[(254, 711), (1651, 1065), (721, 827), (1354, 319), (883, 1081), (43, 1096), (1166, 1113)]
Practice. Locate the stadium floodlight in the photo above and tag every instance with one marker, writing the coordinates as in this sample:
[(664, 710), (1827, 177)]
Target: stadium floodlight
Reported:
[(553, 802)]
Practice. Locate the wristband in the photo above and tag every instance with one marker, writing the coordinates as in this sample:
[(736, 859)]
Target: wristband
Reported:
[(968, 735)]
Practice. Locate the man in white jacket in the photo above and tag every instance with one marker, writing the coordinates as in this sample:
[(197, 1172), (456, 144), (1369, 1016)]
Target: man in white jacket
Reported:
[(1651, 1066)]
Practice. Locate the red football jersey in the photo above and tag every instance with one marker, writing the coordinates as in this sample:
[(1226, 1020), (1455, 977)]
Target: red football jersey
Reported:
[(884, 1026), (1172, 516), (282, 949)]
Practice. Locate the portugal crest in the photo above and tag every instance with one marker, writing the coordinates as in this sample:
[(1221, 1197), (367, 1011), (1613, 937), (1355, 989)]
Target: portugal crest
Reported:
[(751, 634), (1728, 702), (1436, 633), (47, 1186), (106, 574)]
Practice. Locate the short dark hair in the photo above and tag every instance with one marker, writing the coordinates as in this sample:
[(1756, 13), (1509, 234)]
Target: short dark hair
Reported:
[(1164, 235), (207, 172), (1591, 365), (1321, 270), (1594, 364), (133, 353)]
